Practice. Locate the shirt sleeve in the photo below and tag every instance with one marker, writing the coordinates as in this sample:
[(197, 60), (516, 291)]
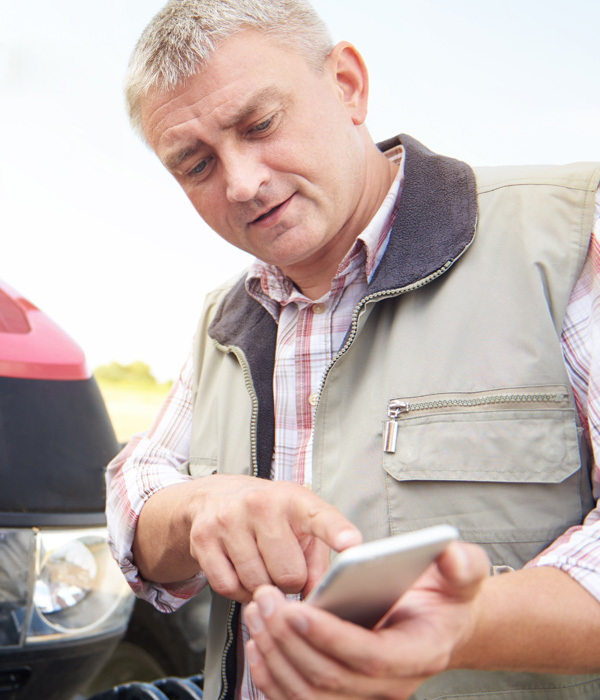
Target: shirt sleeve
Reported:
[(577, 551), (150, 462)]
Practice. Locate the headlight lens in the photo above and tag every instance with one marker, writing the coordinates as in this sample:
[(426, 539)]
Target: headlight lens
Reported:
[(59, 583), (66, 577)]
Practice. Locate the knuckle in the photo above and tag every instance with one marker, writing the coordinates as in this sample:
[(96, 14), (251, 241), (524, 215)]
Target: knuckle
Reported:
[(255, 501), (328, 679), (290, 582), (226, 517), (200, 531), (226, 586), (226, 589), (252, 578), (375, 665)]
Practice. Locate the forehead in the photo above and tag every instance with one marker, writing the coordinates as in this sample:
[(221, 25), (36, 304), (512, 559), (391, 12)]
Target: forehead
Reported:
[(245, 73)]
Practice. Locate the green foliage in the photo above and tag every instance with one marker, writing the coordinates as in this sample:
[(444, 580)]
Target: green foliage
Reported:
[(137, 373)]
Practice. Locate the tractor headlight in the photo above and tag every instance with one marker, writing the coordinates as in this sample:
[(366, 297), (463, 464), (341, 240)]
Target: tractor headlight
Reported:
[(57, 584)]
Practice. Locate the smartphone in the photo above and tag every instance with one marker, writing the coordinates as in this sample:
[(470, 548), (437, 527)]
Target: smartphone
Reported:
[(363, 582)]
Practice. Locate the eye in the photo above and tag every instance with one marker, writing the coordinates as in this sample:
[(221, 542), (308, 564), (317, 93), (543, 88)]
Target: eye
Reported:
[(200, 168), (264, 126)]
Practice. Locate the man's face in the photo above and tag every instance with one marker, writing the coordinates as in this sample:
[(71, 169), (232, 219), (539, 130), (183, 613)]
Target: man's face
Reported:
[(269, 151)]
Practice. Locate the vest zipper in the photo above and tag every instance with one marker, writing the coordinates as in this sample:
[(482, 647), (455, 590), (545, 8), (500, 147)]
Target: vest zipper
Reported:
[(226, 649), (378, 296), (550, 396), (254, 457)]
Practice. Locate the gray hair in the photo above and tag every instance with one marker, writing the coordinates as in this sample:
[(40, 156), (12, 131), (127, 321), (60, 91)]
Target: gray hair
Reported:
[(183, 36)]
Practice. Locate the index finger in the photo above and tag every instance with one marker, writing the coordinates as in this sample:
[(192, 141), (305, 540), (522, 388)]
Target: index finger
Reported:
[(314, 517)]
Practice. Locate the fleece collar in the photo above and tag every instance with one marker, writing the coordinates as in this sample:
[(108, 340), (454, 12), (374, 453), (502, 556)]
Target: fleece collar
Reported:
[(436, 217)]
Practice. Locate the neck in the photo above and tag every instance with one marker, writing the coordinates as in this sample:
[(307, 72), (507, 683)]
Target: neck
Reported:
[(314, 277)]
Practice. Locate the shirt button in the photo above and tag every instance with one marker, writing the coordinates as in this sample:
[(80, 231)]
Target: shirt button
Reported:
[(318, 308), (313, 399)]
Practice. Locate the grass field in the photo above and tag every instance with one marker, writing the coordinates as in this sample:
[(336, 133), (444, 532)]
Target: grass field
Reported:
[(132, 407)]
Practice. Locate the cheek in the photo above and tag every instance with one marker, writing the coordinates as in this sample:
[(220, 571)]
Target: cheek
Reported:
[(218, 215), (294, 151), (208, 202)]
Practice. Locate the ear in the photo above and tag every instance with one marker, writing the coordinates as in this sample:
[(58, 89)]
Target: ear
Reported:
[(349, 72)]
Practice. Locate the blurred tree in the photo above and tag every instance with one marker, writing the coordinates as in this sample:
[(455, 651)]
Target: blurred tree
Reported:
[(136, 373)]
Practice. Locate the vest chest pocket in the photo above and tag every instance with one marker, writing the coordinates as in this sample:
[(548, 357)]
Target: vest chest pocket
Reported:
[(503, 466)]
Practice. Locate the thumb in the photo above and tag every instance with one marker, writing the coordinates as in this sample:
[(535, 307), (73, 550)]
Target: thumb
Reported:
[(463, 567)]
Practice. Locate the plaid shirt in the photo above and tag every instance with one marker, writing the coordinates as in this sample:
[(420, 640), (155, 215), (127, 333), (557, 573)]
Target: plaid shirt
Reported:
[(309, 333), (577, 551)]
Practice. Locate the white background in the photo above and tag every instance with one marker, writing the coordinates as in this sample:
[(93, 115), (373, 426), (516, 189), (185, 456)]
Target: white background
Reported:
[(98, 236)]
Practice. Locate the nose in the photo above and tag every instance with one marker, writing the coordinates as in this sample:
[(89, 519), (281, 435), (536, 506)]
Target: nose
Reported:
[(245, 174)]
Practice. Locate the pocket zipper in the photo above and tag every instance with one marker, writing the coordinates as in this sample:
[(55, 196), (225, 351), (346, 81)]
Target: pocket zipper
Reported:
[(446, 403)]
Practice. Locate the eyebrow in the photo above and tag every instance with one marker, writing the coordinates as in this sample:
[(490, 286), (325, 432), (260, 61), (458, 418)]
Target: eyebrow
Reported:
[(257, 102), (172, 162)]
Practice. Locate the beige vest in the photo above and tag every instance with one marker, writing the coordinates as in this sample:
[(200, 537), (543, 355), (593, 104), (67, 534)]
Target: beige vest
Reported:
[(449, 401)]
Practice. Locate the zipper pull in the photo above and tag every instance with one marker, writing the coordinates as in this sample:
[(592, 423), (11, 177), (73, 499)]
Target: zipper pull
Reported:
[(390, 428)]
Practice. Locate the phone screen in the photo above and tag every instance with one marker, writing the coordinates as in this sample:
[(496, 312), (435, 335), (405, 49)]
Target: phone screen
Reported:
[(365, 581)]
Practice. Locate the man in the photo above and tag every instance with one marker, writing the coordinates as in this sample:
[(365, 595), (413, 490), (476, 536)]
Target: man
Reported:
[(382, 273)]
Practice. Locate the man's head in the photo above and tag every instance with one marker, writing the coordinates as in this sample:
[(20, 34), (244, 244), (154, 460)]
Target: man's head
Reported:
[(267, 141), (183, 36)]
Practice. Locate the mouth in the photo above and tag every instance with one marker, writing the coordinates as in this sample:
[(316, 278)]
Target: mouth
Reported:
[(262, 217), (272, 215)]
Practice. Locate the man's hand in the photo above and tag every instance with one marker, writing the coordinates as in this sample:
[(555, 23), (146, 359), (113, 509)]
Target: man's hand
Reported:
[(299, 651), (242, 532)]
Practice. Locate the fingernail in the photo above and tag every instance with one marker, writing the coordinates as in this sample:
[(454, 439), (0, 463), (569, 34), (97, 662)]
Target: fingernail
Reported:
[(253, 619), (265, 604), (346, 538), (462, 562)]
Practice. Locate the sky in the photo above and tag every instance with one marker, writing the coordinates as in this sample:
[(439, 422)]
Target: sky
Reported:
[(98, 235)]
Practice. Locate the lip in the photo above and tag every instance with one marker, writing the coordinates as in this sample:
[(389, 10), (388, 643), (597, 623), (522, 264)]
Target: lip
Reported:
[(272, 215)]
